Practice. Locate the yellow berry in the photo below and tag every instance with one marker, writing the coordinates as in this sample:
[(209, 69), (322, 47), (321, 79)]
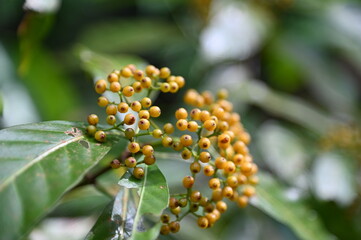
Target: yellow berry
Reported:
[(100, 86), (137, 87), (90, 130), (167, 141), (182, 124), (126, 72), (195, 196), (150, 70), (93, 119), (220, 162), (164, 218), (227, 192), (214, 183), (168, 128), (115, 87), (195, 167), (204, 115), (253, 180), (221, 206), (164, 87), (155, 111), (232, 181), (208, 97), (149, 160), (177, 146), (202, 222), (123, 107), (210, 125), (195, 114), (111, 120), (204, 143), (186, 140), (146, 82), (186, 154), (113, 77), (138, 172), (208, 170), (205, 157), (129, 119), (173, 87), (133, 147), (222, 94), (138, 75), (103, 101), (100, 136), (136, 106), (217, 194), (192, 126), (249, 191), (242, 201), (128, 91), (157, 133), (143, 124), (180, 81), (229, 167), (188, 181), (164, 72), (130, 162), (146, 102), (144, 114), (181, 113), (111, 109), (164, 230)]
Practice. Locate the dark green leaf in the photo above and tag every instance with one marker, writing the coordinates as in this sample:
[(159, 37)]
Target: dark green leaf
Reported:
[(134, 216), (272, 200), (38, 163)]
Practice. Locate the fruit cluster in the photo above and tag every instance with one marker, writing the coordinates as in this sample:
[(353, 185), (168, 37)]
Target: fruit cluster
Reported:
[(212, 139)]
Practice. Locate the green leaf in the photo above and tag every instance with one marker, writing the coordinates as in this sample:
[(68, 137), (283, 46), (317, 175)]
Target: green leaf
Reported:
[(38, 164), (134, 216), (272, 200)]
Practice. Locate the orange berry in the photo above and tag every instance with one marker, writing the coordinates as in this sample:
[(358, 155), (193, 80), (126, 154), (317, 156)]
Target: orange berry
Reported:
[(149, 160), (221, 206), (214, 183), (129, 119), (210, 125), (133, 147), (217, 194), (204, 115), (188, 181), (146, 82), (138, 172), (186, 140), (229, 167), (168, 128), (202, 222), (227, 192), (220, 162), (173, 87), (181, 113), (195, 167), (143, 124), (137, 87), (128, 91), (93, 119), (155, 111), (182, 124), (192, 126), (111, 109), (146, 102), (136, 106), (249, 191), (208, 170), (205, 157), (232, 181), (123, 107), (242, 201), (164, 72), (115, 87), (204, 143), (113, 77), (126, 72), (103, 101), (195, 196), (138, 75), (180, 81), (186, 154), (195, 114), (100, 86), (144, 114), (167, 141)]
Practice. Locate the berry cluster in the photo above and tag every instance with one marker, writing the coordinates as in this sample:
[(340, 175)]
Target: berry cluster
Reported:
[(125, 83), (216, 142), (212, 139)]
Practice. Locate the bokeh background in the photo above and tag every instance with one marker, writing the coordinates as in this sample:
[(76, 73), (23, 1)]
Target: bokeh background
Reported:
[(292, 68)]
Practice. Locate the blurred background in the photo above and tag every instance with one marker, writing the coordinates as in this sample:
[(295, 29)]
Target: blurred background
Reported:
[(292, 68)]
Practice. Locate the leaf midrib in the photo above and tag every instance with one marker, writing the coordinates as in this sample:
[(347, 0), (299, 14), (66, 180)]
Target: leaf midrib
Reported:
[(10, 179)]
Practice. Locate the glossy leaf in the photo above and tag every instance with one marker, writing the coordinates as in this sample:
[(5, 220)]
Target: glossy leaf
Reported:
[(272, 200), (38, 164), (134, 216)]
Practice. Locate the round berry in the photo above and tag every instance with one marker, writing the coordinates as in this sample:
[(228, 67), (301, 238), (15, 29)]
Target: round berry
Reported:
[(222, 94), (167, 141), (186, 140), (217, 194), (144, 114), (100, 86), (147, 150), (173, 203), (205, 115), (123, 107), (150, 70), (214, 183), (128, 91), (253, 180), (204, 143), (164, 72), (111, 120), (137, 87), (176, 210), (115, 87), (181, 113), (221, 206), (155, 111), (136, 106), (138, 172), (210, 125), (93, 119), (188, 181), (115, 164), (195, 167), (149, 160), (146, 82), (220, 162), (165, 218), (173, 87), (168, 128), (249, 191), (202, 222), (195, 196), (227, 192), (103, 101), (192, 126), (146, 102), (126, 72), (195, 114), (182, 202), (133, 147), (113, 77), (100, 136), (205, 157), (208, 170), (174, 226), (186, 154), (165, 87), (232, 181), (138, 75), (129, 133), (242, 201), (157, 133), (130, 162), (111, 109), (180, 81), (164, 230), (177, 146), (129, 119), (182, 124), (90, 130)]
